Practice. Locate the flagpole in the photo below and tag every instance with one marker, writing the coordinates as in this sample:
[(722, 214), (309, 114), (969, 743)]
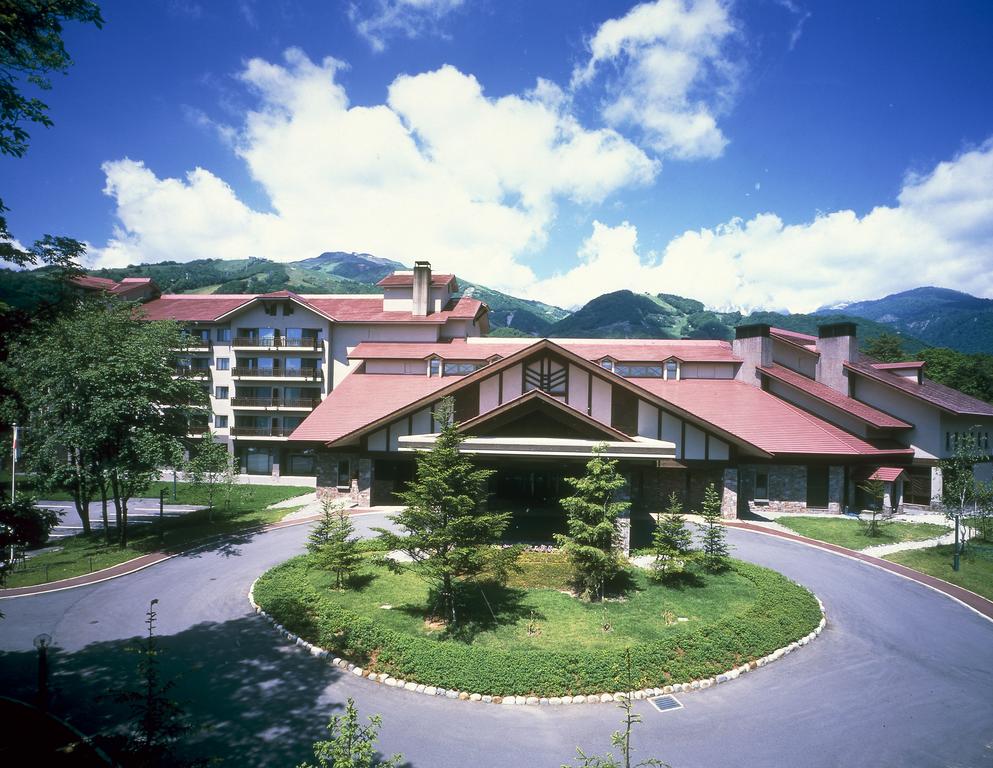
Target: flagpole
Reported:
[(13, 464)]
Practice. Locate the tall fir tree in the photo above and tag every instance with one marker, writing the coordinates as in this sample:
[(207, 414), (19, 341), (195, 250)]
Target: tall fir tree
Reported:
[(592, 541), (446, 530), (716, 549), (672, 542), (332, 542)]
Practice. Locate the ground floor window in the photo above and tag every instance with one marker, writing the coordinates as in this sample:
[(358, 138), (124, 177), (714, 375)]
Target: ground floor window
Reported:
[(344, 475), (817, 486), (300, 463), (917, 486), (256, 461)]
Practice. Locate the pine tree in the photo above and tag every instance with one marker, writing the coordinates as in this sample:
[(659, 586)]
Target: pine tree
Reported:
[(447, 532), (672, 542), (593, 540), (332, 544), (351, 745), (715, 547)]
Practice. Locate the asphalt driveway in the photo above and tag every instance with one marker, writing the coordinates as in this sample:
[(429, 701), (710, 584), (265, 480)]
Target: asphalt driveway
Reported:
[(901, 676)]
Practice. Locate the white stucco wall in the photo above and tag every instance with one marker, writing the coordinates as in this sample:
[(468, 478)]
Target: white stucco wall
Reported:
[(579, 388), (600, 407), (818, 407), (926, 438), (793, 358), (706, 371), (695, 443), (489, 393), (512, 382), (648, 420), (672, 431)]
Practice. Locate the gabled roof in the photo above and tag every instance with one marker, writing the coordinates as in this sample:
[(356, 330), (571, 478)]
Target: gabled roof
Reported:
[(865, 413), (193, 307), (402, 279), (128, 284), (763, 420), (284, 295), (887, 474), (942, 397), (535, 396)]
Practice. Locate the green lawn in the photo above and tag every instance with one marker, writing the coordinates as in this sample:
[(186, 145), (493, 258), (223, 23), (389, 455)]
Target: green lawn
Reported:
[(534, 598), (849, 533), (976, 566), (82, 554)]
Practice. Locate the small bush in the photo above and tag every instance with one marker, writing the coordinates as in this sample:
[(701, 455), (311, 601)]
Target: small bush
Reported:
[(782, 612)]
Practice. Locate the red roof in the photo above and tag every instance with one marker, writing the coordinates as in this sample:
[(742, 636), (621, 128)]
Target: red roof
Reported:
[(362, 399), (401, 279), (763, 420), (825, 394), (590, 349), (938, 395), (125, 286), (909, 365), (350, 309), (804, 341), (887, 474)]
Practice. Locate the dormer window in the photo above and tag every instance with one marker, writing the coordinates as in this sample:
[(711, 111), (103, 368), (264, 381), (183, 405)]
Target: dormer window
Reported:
[(459, 369), (671, 370), (434, 367), (607, 363)]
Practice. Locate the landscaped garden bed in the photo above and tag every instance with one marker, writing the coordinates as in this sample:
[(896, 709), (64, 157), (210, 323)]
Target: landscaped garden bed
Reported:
[(531, 637)]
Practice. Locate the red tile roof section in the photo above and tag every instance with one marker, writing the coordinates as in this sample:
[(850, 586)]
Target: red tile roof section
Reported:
[(763, 420), (887, 474), (825, 394), (804, 341), (363, 398), (193, 307), (687, 351), (910, 364), (398, 281), (945, 398)]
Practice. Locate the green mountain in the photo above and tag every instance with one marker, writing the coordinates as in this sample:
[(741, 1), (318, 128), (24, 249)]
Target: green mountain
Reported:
[(938, 316), (624, 314)]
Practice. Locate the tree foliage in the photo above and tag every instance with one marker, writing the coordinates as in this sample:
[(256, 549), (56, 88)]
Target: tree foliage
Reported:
[(96, 391), (592, 541), (351, 745), (672, 542), (447, 532), (716, 549), (887, 348), (878, 516), (332, 542), (22, 524), (209, 464)]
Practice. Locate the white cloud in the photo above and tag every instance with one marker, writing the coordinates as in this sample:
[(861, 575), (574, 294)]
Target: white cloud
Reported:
[(379, 20), (439, 172), (940, 232), (668, 74)]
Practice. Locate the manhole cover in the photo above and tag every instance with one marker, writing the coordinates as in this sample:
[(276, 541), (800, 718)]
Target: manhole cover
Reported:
[(665, 703)]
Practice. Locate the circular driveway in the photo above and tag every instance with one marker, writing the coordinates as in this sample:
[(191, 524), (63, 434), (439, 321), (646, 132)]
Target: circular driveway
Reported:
[(901, 676)]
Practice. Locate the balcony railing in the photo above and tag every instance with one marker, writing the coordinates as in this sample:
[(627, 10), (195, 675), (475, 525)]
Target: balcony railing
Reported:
[(192, 372), (195, 342), (197, 429), (261, 431), (276, 341), (274, 402), (312, 374)]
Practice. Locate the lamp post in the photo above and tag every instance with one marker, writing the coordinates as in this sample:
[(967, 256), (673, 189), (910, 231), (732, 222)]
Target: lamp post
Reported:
[(41, 642), (162, 494)]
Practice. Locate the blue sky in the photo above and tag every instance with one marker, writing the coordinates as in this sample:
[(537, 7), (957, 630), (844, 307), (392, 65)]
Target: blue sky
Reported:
[(772, 153)]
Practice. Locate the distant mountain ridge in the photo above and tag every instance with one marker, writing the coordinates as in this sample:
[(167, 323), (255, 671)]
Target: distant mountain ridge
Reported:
[(921, 317)]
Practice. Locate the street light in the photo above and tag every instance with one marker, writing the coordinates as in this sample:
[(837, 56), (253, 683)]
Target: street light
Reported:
[(42, 642)]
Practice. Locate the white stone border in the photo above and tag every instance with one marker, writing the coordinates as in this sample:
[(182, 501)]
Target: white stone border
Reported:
[(431, 690)]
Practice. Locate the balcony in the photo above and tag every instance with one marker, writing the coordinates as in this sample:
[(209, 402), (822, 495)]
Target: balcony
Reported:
[(276, 342), (191, 373), (276, 403), (302, 374), (195, 344), (197, 430), (262, 433)]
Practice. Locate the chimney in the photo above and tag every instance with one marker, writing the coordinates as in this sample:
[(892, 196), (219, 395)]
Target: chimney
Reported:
[(422, 288), (838, 345), (753, 345)]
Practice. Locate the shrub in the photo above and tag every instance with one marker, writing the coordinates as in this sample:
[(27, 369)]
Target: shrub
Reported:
[(782, 613)]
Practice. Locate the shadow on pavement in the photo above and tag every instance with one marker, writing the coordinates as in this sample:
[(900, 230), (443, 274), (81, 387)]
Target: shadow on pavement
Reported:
[(258, 700)]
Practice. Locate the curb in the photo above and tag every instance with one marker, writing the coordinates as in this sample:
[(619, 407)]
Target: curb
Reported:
[(605, 698), (106, 574)]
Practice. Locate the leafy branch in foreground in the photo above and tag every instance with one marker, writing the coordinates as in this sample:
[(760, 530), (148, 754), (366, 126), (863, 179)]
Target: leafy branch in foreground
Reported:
[(351, 745)]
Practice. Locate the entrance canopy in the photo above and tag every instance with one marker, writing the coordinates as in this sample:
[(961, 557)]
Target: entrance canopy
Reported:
[(639, 448)]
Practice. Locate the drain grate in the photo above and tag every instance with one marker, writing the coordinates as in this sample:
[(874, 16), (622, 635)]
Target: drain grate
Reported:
[(665, 703)]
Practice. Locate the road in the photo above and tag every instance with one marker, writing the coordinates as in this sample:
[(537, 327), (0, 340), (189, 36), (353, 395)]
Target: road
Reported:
[(141, 511), (901, 676)]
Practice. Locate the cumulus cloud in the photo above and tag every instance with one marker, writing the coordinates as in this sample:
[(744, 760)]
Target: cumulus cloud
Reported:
[(940, 232), (668, 74), (440, 172), (379, 20)]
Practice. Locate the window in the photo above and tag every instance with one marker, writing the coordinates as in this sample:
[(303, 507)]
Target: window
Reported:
[(220, 393), (220, 422), (288, 309), (671, 369), (761, 486), (270, 308), (224, 334), (344, 475), (639, 371), (435, 366), (300, 464), (222, 363), (608, 364), (459, 369)]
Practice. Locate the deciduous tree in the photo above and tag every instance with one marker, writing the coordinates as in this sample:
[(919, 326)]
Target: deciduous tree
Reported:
[(207, 468), (351, 745)]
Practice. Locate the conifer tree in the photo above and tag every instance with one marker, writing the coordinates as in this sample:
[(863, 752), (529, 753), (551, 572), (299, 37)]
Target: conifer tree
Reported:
[(592, 541), (332, 543), (672, 542), (351, 745), (715, 547), (447, 532)]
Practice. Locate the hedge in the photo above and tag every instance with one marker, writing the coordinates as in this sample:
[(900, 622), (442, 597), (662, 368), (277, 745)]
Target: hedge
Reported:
[(782, 613)]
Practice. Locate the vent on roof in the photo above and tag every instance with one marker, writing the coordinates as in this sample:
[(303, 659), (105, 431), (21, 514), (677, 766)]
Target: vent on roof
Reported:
[(665, 703)]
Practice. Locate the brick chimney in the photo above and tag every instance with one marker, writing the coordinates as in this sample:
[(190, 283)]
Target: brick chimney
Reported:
[(422, 288), (838, 345), (753, 345)]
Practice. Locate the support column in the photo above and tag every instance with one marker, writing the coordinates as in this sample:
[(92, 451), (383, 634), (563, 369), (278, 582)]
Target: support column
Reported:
[(624, 531), (729, 496)]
